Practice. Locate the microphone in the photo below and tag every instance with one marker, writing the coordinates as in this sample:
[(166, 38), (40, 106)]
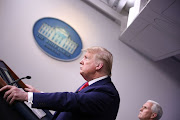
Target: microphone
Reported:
[(27, 77)]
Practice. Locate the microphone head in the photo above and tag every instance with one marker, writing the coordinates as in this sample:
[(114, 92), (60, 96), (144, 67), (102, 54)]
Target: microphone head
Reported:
[(28, 77)]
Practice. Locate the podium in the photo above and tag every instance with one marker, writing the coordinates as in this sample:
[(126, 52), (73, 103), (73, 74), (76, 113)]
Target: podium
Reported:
[(19, 110)]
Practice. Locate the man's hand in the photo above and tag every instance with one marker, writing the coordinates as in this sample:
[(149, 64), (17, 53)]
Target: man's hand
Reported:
[(31, 89), (13, 93)]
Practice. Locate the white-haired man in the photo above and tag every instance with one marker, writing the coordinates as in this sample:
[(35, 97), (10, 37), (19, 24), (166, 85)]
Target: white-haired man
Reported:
[(151, 110)]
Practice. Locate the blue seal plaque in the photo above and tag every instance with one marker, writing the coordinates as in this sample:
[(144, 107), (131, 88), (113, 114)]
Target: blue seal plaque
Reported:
[(57, 39)]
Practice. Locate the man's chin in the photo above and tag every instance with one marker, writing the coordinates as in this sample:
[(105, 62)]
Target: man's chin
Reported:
[(81, 73), (139, 116)]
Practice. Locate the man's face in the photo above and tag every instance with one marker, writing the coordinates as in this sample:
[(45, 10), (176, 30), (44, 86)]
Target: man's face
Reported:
[(145, 112), (88, 66)]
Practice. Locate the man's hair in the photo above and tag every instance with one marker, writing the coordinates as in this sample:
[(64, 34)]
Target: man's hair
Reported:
[(103, 55), (156, 108)]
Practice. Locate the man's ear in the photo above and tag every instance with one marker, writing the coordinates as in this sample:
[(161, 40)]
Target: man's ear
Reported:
[(153, 115), (99, 65)]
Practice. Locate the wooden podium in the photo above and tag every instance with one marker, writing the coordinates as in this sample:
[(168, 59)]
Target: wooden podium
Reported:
[(19, 110)]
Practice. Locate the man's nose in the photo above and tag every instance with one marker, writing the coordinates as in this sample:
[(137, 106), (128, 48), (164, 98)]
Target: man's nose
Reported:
[(81, 62)]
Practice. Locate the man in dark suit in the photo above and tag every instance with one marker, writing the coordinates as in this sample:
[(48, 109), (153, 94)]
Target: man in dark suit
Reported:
[(99, 100)]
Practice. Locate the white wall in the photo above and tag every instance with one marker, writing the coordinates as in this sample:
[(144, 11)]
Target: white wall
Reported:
[(136, 77)]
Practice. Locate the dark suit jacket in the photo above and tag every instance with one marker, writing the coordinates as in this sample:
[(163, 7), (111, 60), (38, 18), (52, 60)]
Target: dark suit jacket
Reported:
[(99, 101)]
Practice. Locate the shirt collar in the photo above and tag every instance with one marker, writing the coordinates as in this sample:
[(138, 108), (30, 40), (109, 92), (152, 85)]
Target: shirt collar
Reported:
[(97, 79)]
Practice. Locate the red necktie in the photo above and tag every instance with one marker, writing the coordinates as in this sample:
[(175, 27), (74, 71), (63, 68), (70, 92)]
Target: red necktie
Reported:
[(85, 85)]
